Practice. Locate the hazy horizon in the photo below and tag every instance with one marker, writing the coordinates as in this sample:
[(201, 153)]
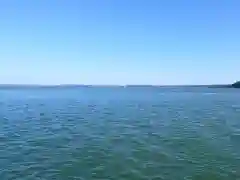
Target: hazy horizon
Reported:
[(160, 85)]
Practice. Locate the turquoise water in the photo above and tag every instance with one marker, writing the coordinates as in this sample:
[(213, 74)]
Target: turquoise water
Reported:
[(119, 133)]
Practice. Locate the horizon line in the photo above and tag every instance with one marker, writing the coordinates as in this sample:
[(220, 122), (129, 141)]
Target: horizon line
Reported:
[(108, 85)]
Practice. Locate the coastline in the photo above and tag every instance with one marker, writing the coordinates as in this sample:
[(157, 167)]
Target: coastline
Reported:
[(6, 86)]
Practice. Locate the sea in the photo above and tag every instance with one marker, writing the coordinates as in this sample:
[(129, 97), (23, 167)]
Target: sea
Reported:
[(119, 133)]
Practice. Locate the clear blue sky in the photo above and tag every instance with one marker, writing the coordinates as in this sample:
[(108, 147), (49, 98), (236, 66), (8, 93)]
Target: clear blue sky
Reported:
[(119, 41)]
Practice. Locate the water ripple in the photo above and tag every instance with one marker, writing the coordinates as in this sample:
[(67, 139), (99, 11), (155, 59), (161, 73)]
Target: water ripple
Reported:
[(118, 134)]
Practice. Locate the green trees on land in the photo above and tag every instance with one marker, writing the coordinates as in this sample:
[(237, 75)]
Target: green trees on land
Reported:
[(236, 84)]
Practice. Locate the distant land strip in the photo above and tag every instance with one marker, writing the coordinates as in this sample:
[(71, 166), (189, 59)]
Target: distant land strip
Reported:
[(7, 86)]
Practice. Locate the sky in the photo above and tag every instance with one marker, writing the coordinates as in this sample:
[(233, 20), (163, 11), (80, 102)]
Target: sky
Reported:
[(156, 42)]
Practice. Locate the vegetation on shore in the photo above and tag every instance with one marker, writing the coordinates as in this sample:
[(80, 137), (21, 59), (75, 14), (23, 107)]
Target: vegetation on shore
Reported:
[(236, 84)]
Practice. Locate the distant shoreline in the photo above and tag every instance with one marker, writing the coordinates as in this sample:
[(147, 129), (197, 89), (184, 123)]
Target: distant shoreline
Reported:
[(123, 86)]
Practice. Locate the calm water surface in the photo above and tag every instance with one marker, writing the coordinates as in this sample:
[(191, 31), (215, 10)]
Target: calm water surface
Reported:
[(119, 133)]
